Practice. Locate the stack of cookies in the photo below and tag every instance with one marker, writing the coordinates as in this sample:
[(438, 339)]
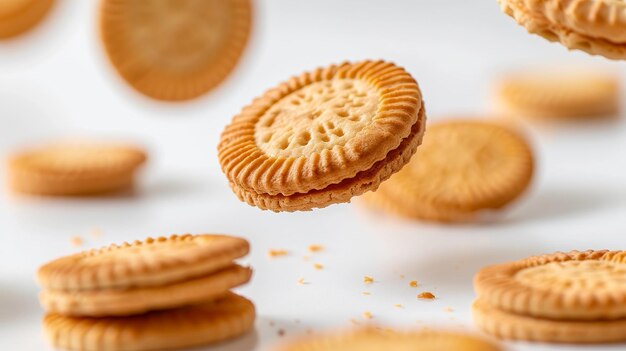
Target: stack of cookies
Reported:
[(161, 293), (575, 297)]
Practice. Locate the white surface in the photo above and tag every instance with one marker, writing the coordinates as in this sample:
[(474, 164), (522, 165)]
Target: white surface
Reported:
[(57, 82)]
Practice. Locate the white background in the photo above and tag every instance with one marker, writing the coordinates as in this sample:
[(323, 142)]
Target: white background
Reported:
[(56, 82)]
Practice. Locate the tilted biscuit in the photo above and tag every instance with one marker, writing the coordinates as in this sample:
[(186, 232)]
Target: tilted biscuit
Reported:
[(175, 50), (197, 325), (324, 136), (464, 167), (507, 325), (120, 302), (18, 16), (74, 168), (152, 262), (371, 339), (587, 285)]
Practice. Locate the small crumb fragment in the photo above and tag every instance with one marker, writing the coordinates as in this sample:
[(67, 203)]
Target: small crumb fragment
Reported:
[(413, 284), (281, 332), (316, 248), (426, 295), (401, 276), (76, 241), (398, 305), (306, 258), (301, 281), (367, 293), (318, 266), (448, 309), (367, 315), (277, 252), (368, 280)]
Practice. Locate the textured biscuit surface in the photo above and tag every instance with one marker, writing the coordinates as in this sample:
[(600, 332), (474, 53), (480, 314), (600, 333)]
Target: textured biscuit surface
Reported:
[(320, 129), (175, 49), (196, 325), (558, 93), (74, 168), (119, 302), (463, 167), (152, 262), (18, 16), (507, 325), (375, 340), (589, 285)]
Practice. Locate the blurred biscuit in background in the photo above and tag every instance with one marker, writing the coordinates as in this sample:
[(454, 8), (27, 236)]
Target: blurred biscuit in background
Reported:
[(176, 49), (18, 16)]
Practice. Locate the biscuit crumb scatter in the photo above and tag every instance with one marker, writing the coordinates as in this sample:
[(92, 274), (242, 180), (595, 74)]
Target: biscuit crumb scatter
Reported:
[(398, 305), (426, 296), (76, 241), (413, 284), (316, 248), (448, 309), (368, 280), (367, 315), (367, 293), (277, 253), (318, 266), (281, 332), (301, 281)]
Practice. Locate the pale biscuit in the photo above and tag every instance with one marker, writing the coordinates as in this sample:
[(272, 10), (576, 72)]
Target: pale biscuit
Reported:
[(587, 285), (153, 262), (120, 302), (324, 136), (371, 339), (74, 168), (19, 16), (507, 325), (197, 325), (463, 168), (175, 50)]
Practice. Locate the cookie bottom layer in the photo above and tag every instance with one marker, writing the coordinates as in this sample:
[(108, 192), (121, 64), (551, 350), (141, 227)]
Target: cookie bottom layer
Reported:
[(519, 327), (52, 185), (348, 188), (191, 326)]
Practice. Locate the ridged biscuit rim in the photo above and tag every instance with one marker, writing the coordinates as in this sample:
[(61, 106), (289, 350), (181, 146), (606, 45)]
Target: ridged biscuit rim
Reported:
[(25, 18), (123, 302), (250, 169), (504, 325), (67, 273), (496, 286), (197, 325), (161, 85)]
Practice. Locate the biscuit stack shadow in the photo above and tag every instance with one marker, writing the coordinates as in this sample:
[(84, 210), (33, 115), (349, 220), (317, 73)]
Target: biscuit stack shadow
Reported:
[(161, 293)]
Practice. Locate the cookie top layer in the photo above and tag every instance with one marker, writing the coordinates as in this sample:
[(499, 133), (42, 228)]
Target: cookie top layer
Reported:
[(320, 128), (463, 166), (149, 263), (586, 285), (81, 159), (375, 340), (175, 49)]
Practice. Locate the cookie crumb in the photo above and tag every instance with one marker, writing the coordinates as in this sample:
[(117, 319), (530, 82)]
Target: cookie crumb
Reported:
[(413, 284), (448, 309), (277, 252), (401, 276), (354, 321), (368, 280), (306, 258), (367, 293), (398, 305), (426, 295), (281, 332), (76, 241), (301, 281), (318, 266), (316, 248), (367, 315)]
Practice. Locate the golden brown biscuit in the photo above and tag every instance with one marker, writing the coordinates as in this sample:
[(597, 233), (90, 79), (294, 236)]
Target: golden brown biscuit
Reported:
[(18, 16), (120, 302), (507, 325), (153, 262), (324, 136), (587, 285), (371, 339), (176, 49), (597, 32), (190, 326), (558, 93), (74, 168), (464, 167)]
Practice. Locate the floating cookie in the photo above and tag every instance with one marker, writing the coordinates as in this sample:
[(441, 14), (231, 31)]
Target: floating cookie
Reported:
[(507, 325), (594, 26), (558, 93), (377, 339), (463, 168), (119, 302), (197, 325), (323, 137), (74, 168), (18, 16), (589, 285), (153, 262), (176, 49)]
